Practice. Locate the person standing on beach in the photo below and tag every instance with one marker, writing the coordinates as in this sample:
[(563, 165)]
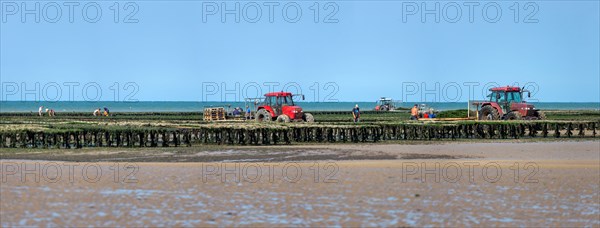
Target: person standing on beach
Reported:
[(248, 112), (356, 114), (414, 112), (41, 111)]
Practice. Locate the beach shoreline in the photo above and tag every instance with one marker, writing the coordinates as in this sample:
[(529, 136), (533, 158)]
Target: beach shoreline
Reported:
[(459, 184)]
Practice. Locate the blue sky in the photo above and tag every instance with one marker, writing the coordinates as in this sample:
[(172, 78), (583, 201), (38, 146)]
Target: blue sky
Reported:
[(170, 53)]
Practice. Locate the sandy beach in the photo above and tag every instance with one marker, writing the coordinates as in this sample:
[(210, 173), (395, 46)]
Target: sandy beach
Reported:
[(449, 184)]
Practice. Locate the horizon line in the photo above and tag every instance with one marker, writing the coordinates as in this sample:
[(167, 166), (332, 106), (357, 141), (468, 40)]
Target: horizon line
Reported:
[(295, 101)]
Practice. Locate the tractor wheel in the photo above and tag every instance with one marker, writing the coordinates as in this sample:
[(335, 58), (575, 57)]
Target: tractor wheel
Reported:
[(283, 118), (263, 116), (514, 115), (488, 113), (540, 115), (307, 117)]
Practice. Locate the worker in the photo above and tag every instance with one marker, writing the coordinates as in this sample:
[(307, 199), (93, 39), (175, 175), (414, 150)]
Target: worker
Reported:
[(97, 112), (414, 112), (248, 112), (356, 113), (236, 111), (40, 111), (106, 112), (50, 112)]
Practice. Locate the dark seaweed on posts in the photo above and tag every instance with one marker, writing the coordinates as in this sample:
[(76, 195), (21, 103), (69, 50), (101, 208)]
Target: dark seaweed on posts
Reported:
[(98, 136)]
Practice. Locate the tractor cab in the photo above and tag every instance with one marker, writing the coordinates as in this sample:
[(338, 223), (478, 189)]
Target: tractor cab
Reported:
[(280, 106), (507, 103), (278, 103), (385, 104), (510, 99), (506, 94)]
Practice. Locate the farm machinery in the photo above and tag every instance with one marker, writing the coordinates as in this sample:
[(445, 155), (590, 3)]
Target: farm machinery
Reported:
[(506, 103), (386, 104), (280, 107)]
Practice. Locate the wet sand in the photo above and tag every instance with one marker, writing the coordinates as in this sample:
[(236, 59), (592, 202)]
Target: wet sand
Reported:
[(492, 149), (450, 184)]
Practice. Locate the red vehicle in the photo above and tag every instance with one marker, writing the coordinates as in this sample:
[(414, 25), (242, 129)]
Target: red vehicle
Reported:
[(507, 103), (280, 107)]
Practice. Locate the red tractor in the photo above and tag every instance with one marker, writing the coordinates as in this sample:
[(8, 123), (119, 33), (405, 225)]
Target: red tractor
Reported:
[(280, 107), (507, 103)]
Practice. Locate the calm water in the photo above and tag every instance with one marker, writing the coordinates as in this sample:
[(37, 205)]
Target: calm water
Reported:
[(188, 106)]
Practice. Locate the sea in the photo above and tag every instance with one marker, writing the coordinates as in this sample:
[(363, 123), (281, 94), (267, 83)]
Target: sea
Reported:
[(191, 106)]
